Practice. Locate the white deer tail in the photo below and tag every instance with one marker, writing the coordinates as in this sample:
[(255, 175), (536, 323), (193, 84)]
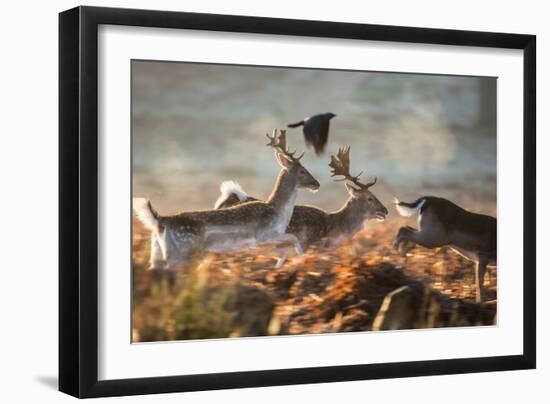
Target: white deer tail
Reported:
[(145, 213), (409, 209), (228, 188)]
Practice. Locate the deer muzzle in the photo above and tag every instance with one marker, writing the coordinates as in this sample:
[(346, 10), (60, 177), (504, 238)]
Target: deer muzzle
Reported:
[(314, 187), (381, 214)]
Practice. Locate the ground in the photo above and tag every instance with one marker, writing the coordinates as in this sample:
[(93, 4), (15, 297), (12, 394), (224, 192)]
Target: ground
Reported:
[(339, 289)]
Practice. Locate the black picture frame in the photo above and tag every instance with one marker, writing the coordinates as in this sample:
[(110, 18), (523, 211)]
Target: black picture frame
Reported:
[(78, 200)]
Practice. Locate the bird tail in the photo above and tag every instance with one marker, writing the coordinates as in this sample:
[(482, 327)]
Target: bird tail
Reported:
[(295, 125)]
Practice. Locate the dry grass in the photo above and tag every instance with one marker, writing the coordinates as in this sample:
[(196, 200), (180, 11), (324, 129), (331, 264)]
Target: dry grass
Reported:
[(333, 290)]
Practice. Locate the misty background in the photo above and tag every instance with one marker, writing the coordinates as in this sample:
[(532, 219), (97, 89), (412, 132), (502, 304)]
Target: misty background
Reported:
[(195, 125)]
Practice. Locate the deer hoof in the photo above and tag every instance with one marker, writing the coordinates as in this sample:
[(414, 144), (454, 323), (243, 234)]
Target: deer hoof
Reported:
[(157, 265)]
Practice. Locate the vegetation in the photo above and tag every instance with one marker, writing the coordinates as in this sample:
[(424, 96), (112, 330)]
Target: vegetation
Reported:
[(352, 287)]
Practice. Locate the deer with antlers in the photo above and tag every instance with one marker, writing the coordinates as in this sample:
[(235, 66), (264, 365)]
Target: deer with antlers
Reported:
[(175, 240), (311, 224)]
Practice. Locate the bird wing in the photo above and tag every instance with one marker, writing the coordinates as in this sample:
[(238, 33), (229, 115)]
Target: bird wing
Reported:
[(316, 134), (310, 131)]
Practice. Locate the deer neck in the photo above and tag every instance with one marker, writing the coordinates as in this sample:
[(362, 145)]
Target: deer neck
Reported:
[(284, 194), (347, 220)]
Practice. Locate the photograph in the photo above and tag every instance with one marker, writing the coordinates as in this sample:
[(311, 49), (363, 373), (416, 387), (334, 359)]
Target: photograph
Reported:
[(272, 201)]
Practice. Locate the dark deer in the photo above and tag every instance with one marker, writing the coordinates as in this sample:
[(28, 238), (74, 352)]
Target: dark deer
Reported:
[(311, 224), (442, 223)]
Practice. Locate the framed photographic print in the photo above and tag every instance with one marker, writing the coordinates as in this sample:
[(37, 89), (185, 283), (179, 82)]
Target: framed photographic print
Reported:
[(251, 201)]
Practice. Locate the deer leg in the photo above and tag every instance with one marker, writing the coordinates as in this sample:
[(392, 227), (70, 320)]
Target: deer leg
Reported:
[(399, 238), (179, 249), (281, 261), (281, 253), (404, 234), (290, 238), (423, 238), (480, 269), (156, 260), (488, 272)]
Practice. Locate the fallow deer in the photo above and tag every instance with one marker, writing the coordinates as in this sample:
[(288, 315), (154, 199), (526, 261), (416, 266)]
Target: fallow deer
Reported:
[(311, 224), (442, 223), (176, 239)]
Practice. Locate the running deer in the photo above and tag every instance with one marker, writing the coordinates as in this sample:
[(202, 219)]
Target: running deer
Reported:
[(311, 224), (442, 223), (176, 239)]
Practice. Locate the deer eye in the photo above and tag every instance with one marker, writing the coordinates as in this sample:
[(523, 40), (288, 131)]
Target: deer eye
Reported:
[(302, 171), (370, 199)]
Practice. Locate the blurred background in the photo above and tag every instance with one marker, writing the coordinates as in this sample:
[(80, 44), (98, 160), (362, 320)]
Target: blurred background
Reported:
[(195, 125)]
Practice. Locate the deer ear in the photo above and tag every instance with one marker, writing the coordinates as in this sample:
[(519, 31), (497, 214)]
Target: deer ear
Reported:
[(352, 190), (283, 160)]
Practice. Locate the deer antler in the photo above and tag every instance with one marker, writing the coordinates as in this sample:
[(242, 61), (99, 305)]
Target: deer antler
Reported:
[(340, 166), (278, 142)]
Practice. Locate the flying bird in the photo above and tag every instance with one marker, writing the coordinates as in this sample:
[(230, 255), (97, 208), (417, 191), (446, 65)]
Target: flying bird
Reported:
[(315, 129)]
